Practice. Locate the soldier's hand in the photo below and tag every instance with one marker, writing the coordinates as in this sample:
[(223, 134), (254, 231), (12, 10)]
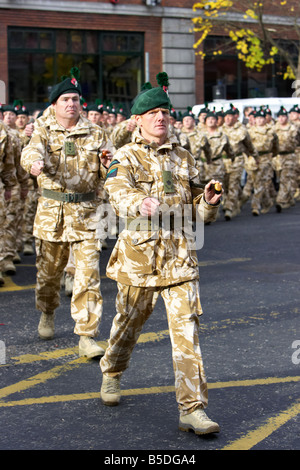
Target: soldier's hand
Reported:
[(149, 206), (106, 157), (37, 168), (29, 129), (131, 125), (210, 195)]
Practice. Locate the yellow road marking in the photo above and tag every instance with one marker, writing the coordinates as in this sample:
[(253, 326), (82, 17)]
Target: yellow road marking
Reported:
[(47, 355), (40, 378), (262, 432), (10, 286), (223, 261), (134, 391)]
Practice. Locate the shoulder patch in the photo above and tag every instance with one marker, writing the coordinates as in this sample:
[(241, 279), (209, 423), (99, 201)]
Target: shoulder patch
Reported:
[(113, 162), (112, 173)]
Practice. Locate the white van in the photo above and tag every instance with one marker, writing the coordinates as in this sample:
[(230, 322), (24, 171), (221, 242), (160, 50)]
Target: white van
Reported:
[(273, 103)]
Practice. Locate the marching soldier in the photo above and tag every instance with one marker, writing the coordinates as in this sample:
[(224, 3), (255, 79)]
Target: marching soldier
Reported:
[(220, 148), (294, 118), (199, 146), (289, 139), (31, 200), (152, 174), (15, 206), (8, 180), (266, 144), (65, 154), (241, 143)]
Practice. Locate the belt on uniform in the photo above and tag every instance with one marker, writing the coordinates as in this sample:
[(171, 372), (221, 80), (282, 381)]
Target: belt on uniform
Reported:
[(143, 223), (286, 153), (68, 197), (264, 152), (217, 157)]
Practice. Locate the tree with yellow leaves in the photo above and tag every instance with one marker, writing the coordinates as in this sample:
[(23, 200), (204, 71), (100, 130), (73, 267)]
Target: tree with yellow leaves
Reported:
[(255, 28)]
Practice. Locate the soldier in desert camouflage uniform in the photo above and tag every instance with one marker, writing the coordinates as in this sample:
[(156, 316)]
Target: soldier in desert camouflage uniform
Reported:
[(241, 143), (294, 118), (15, 206), (8, 180), (152, 174), (265, 142), (24, 126), (64, 153), (220, 148), (289, 139), (199, 146)]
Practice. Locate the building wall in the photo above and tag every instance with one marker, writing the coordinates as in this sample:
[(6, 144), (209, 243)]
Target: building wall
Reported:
[(167, 30)]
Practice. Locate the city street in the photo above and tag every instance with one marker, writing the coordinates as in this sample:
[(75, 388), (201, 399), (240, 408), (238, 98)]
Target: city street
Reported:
[(250, 340)]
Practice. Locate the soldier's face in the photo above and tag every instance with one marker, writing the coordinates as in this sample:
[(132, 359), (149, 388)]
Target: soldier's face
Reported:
[(67, 107), (9, 118), (154, 124), (94, 117)]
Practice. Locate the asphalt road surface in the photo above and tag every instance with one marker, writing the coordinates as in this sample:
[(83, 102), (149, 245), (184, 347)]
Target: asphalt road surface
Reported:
[(250, 340)]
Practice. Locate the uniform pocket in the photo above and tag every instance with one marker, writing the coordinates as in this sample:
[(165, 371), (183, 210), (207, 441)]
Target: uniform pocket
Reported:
[(48, 214), (53, 158), (137, 252)]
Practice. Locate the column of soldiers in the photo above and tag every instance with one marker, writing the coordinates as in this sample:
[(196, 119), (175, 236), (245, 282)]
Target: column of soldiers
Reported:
[(257, 160)]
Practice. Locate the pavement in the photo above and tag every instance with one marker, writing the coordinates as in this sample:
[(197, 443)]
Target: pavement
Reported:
[(250, 341)]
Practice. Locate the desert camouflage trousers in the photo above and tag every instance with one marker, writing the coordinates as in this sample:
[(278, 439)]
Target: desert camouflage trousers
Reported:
[(287, 177), (86, 301), (11, 226), (29, 215), (262, 181), (134, 305), (233, 190)]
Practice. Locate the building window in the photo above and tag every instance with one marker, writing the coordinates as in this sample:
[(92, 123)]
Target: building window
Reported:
[(111, 63), (229, 76)]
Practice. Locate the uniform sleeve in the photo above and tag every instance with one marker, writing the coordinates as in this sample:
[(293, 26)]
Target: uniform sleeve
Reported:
[(35, 150), (8, 173), (124, 196)]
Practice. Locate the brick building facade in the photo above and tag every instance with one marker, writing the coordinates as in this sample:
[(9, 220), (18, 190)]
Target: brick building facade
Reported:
[(119, 44)]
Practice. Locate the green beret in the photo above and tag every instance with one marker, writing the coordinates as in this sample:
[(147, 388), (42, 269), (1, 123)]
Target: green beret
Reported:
[(188, 112), (282, 111), (261, 113), (150, 98), (295, 109), (10, 107), (211, 113), (97, 106), (67, 85), (232, 110), (204, 110), (122, 110)]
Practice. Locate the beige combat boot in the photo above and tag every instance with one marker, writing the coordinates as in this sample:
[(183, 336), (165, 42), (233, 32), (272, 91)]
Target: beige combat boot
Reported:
[(89, 348), (46, 325), (28, 249), (199, 422), (8, 265), (110, 390)]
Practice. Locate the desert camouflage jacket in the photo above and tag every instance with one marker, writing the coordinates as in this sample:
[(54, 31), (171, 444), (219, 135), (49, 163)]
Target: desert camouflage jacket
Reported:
[(288, 136), (199, 146), (75, 169), (219, 144), (7, 163), (154, 252), (264, 139)]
